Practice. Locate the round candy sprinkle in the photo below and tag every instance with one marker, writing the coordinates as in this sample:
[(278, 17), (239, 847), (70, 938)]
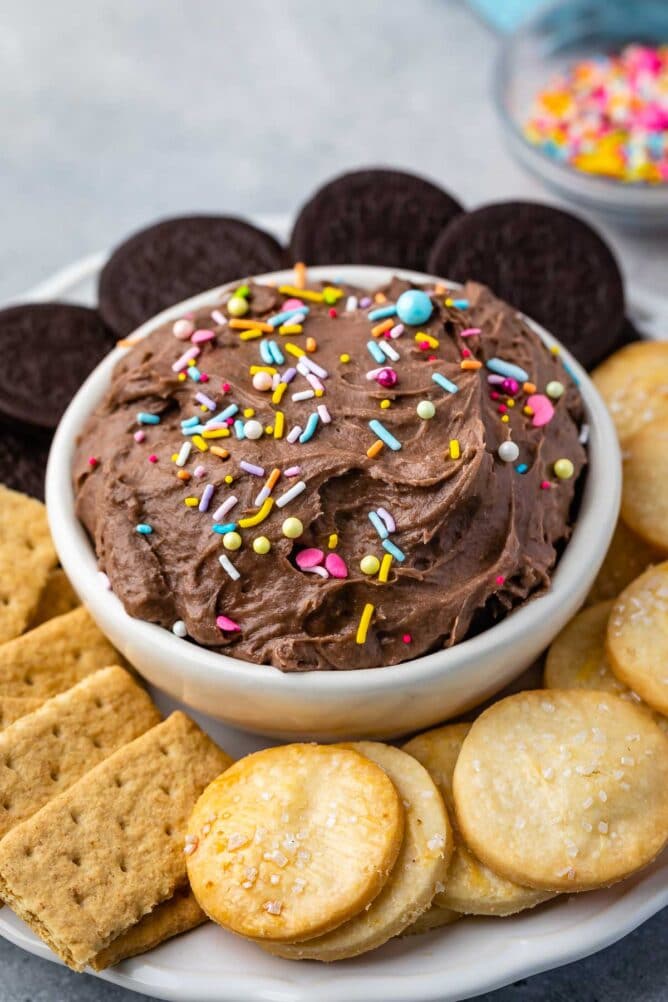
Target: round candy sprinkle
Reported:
[(564, 469), (510, 386), (261, 545), (414, 307), (336, 566), (237, 306), (182, 329), (292, 528), (425, 410), (310, 557), (508, 452), (406, 639), (345, 358), (253, 429), (179, 628), (370, 564), (554, 389), (386, 404), (387, 378), (231, 540), (262, 381)]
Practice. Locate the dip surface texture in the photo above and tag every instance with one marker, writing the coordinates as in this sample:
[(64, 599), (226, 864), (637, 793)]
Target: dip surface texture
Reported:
[(451, 534)]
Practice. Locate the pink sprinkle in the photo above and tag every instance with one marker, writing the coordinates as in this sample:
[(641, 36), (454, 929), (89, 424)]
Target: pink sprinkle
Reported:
[(423, 345), (466, 353), (432, 358), (545, 485), (469, 332), (227, 624), (200, 471), (502, 408), (494, 395), (225, 387), (92, 461), (310, 557), (407, 638), (204, 377), (229, 422), (219, 317), (202, 336), (542, 408), (332, 312), (496, 380), (139, 436), (182, 329), (153, 458), (293, 471), (336, 565), (397, 331), (500, 579), (292, 304), (182, 362)]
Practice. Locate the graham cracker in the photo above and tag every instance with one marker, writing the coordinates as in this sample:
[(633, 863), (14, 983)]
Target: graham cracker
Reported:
[(176, 915), (43, 753), (13, 707), (100, 856), (26, 557), (54, 656), (57, 597)]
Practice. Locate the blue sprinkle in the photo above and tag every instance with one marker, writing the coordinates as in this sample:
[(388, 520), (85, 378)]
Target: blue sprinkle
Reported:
[(382, 312), (143, 529), (194, 429), (281, 318), (460, 304), (189, 422), (375, 352), (277, 355), (265, 353), (222, 529), (387, 437), (507, 369), (522, 468), (194, 373), (224, 415), (310, 428), (239, 429), (570, 373), (394, 550), (445, 384), (378, 524), (144, 418)]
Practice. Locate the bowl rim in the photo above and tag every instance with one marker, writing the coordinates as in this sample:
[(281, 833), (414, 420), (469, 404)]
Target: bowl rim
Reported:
[(610, 186), (590, 536)]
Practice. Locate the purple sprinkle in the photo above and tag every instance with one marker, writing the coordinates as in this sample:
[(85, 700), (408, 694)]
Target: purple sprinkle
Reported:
[(293, 471), (366, 301), (288, 375), (390, 524), (308, 363), (207, 494), (225, 507), (200, 471), (207, 401), (257, 471), (495, 379)]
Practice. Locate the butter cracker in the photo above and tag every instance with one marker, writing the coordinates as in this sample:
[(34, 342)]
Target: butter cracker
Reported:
[(104, 853), (26, 557), (54, 656)]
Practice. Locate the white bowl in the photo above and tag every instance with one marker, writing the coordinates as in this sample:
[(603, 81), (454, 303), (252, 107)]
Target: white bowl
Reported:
[(330, 705)]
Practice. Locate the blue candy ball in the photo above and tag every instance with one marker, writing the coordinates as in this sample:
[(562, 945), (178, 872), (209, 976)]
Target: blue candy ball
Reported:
[(414, 307)]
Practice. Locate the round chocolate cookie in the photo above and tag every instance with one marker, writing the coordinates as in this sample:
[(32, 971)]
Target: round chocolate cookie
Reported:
[(372, 217), (547, 263), (23, 455), (178, 258), (48, 349)]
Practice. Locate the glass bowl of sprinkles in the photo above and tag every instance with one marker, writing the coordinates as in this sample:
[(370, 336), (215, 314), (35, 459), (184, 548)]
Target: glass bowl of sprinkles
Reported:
[(582, 93)]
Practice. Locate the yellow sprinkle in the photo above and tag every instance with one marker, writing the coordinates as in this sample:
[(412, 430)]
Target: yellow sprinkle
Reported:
[(249, 412), (277, 395), (259, 516), (191, 362), (181, 377), (364, 623), (510, 402), (385, 404), (311, 344), (175, 456), (191, 502), (319, 393), (269, 429), (300, 274), (203, 407), (374, 449), (454, 449), (217, 450), (333, 541), (229, 479), (309, 294), (345, 358), (250, 334), (331, 294), (238, 324), (528, 411), (505, 419), (448, 301), (294, 350), (555, 350), (385, 565), (279, 424), (262, 368), (216, 433), (200, 443), (380, 328), (290, 329), (422, 336)]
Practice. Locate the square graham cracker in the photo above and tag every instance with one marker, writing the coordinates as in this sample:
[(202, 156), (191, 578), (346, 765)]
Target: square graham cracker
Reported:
[(13, 707), (26, 557), (100, 856), (44, 752), (56, 598), (54, 656)]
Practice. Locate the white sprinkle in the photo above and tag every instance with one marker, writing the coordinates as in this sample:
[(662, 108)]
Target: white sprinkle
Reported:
[(262, 496), (294, 434), (572, 851), (274, 879), (603, 827), (548, 772), (227, 505), (588, 802), (325, 416), (236, 841), (322, 572), (266, 795), (291, 494), (331, 821), (276, 856), (351, 304), (388, 351), (584, 434), (179, 628), (602, 796), (547, 706), (184, 452), (627, 760), (303, 395), (587, 827), (436, 842), (304, 855), (273, 907), (314, 381), (229, 567), (633, 737), (520, 823), (308, 363), (299, 885)]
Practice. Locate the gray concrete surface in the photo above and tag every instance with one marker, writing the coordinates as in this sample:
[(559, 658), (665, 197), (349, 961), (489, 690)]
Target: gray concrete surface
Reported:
[(115, 112)]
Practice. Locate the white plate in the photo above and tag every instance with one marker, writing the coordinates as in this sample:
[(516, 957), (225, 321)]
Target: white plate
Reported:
[(463, 960)]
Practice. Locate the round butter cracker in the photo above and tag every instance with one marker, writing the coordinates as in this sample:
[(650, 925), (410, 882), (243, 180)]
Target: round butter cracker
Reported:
[(563, 790), (292, 841), (628, 556), (471, 887), (644, 498), (634, 384), (421, 866), (434, 918)]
